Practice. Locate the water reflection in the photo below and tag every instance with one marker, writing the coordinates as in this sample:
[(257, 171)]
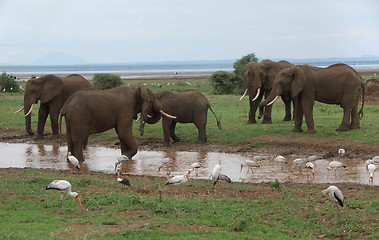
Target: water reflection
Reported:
[(101, 159)]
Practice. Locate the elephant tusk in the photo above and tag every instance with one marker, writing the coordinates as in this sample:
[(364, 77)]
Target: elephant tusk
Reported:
[(19, 110), (31, 108), (166, 115), (256, 96), (138, 118), (243, 95), (268, 104)]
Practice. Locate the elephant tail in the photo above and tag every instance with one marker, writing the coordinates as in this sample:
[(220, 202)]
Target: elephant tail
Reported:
[(214, 114), (360, 113)]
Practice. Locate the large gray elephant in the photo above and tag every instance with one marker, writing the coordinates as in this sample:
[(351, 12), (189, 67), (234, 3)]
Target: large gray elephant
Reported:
[(337, 84), (95, 111), (52, 91), (189, 106), (259, 78)]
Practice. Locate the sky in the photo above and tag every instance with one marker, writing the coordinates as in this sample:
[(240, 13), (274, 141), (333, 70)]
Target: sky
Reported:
[(125, 31)]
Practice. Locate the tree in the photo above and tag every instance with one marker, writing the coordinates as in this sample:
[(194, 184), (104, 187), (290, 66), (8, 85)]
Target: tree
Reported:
[(106, 81), (8, 83), (240, 64)]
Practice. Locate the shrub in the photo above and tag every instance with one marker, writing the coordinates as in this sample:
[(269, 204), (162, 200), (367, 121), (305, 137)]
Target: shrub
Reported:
[(106, 81), (222, 82), (8, 83)]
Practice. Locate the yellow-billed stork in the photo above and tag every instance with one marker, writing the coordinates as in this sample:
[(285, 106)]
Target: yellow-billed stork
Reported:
[(371, 169), (123, 181), (73, 160), (164, 162), (250, 164), (196, 166), (180, 179), (216, 174), (64, 186), (311, 166), (335, 165), (334, 194)]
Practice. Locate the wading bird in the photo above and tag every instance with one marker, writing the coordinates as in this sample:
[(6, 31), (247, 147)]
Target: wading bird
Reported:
[(341, 152), (250, 164), (123, 181), (63, 186), (335, 165), (311, 166), (216, 174), (164, 162), (334, 194), (281, 159), (177, 180), (120, 160), (196, 166), (297, 162), (368, 162), (73, 160), (224, 178), (371, 169)]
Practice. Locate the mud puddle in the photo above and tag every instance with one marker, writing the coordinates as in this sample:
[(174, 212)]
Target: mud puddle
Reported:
[(101, 159)]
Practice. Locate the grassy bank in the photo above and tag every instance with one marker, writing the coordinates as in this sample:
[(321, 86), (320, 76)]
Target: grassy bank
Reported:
[(150, 210), (232, 112)]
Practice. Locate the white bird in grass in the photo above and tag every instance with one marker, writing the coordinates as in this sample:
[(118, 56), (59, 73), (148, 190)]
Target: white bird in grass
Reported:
[(371, 169), (196, 166), (64, 186), (250, 164), (335, 165), (334, 194), (73, 160), (177, 180), (164, 162), (216, 174), (123, 181), (311, 166)]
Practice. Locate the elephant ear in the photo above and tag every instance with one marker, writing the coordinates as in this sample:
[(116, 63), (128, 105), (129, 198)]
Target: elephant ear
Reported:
[(144, 94), (168, 101), (51, 87), (298, 79)]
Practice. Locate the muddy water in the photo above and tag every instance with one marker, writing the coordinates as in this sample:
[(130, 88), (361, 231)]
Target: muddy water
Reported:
[(101, 159)]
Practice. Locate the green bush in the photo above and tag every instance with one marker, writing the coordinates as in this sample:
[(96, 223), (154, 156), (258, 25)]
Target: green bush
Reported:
[(229, 83), (8, 84), (222, 82), (106, 81)]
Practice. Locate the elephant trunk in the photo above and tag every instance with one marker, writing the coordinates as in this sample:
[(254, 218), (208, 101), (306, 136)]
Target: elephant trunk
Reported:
[(28, 118), (274, 94)]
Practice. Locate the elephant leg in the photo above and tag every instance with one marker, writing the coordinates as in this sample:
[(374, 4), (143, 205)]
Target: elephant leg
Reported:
[(287, 106), (42, 116), (172, 132), (54, 123), (298, 116), (253, 108), (70, 144), (129, 145), (354, 117), (308, 114), (166, 125), (345, 124), (267, 112), (201, 128)]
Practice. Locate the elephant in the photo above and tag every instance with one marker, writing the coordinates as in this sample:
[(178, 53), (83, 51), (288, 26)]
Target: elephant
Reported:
[(337, 84), (95, 111), (259, 78), (52, 91), (189, 106)]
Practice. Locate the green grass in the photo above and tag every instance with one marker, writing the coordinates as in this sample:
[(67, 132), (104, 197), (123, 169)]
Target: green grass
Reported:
[(232, 113), (115, 212)]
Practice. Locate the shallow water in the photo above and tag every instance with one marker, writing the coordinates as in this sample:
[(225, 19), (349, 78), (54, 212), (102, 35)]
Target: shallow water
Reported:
[(101, 159)]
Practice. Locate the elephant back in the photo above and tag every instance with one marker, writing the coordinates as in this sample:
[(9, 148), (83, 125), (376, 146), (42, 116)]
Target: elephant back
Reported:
[(72, 84)]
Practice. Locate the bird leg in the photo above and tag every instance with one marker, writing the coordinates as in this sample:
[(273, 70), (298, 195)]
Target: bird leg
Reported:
[(62, 202)]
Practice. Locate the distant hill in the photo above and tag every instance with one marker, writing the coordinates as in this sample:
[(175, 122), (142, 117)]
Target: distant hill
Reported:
[(59, 59), (329, 61)]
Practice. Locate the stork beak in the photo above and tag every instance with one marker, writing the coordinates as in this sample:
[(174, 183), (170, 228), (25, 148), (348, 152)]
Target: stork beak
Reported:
[(80, 203)]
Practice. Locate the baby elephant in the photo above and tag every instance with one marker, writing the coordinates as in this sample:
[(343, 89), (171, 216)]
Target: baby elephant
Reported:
[(189, 106)]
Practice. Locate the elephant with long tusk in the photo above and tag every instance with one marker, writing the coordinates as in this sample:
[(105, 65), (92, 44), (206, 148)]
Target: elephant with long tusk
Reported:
[(259, 78), (52, 91), (96, 111), (337, 84)]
